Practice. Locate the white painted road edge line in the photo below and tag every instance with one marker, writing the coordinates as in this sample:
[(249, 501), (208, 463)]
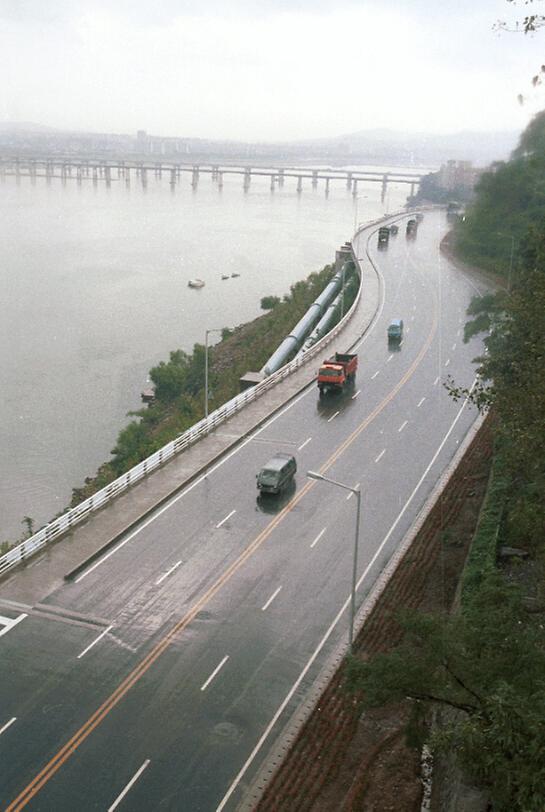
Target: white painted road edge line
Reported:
[(214, 672), (8, 724), (190, 487), (9, 623), (133, 780), (219, 524), (271, 599), (389, 359), (420, 402), (447, 362), (403, 425), (333, 416), (167, 573), (351, 494), (90, 646), (436, 381), (318, 537), (355, 395), (454, 346), (375, 375), (329, 631), (380, 456), (307, 441)]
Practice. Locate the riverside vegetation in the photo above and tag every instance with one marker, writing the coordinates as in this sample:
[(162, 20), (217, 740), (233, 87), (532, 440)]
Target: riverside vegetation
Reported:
[(487, 660), (179, 382)]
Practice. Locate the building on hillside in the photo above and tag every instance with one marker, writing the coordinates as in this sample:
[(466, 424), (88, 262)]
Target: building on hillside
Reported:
[(455, 175)]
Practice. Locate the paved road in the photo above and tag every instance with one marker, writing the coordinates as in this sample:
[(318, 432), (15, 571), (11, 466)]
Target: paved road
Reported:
[(149, 681)]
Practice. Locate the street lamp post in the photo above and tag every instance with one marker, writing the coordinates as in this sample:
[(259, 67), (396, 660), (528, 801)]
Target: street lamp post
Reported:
[(206, 334), (356, 198), (357, 492)]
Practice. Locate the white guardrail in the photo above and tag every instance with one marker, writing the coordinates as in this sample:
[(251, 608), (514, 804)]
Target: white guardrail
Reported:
[(64, 523)]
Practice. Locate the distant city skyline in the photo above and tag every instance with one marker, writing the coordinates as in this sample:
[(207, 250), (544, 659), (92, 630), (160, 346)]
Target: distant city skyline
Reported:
[(277, 71)]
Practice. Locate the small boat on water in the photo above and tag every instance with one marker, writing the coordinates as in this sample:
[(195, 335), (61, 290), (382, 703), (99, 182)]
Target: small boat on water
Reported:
[(225, 276), (235, 274), (196, 283)]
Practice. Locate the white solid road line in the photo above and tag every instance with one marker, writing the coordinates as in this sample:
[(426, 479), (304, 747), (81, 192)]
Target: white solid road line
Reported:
[(271, 599), (454, 346), (333, 416), (133, 780), (318, 537), (355, 395), (9, 623), (356, 486), (340, 613), (307, 441), (420, 402), (90, 646), (214, 672), (169, 572), (436, 381), (219, 524), (8, 724), (389, 359), (447, 362), (190, 487), (403, 425), (375, 375), (380, 456)]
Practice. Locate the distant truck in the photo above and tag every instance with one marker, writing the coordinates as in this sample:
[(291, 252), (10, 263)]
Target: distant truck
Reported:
[(383, 236), (337, 372), (412, 227)]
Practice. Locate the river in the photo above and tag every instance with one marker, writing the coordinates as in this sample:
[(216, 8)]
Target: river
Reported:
[(95, 293)]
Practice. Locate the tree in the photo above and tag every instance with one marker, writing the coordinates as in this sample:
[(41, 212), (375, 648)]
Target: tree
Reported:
[(488, 664)]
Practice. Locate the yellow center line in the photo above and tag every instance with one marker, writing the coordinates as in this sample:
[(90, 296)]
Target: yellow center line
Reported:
[(138, 672)]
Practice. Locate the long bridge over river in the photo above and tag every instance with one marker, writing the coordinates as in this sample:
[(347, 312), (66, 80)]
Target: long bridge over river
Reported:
[(128, 170)]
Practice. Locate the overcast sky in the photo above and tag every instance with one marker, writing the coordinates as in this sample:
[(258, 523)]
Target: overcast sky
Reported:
[(267, 69)]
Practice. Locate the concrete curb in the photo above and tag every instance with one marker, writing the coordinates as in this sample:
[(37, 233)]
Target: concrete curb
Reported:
[(300, 716), (94, 556)]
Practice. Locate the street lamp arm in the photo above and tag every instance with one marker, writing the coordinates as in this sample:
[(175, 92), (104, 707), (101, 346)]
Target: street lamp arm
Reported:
[(322, 478)]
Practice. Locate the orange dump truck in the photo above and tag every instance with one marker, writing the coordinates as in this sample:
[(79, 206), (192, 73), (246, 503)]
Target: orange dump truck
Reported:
[(337, 372)]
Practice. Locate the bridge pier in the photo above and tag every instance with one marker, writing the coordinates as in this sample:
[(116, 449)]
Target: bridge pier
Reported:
[(314, 178), (220, 180), (327, 186), (107, 176), (195, 177), (95, 175), (384, 188), (412, 189), (173, 179), (127, 175), (280, 177), (355, 188), (349, 180), (144, 177), (299, 185), (247, 178), (273, 180), (79, 175)]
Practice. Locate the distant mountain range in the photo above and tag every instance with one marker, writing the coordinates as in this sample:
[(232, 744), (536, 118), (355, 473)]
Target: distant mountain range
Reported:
[(374, 146)]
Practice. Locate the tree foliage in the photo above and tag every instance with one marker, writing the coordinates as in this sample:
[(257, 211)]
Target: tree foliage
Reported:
[(488, 664)]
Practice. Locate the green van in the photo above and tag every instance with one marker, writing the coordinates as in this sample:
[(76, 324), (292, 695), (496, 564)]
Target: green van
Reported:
[(276, 474), (395, 330)]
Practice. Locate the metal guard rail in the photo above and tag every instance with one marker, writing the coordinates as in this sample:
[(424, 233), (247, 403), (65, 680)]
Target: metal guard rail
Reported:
[(67, 520)]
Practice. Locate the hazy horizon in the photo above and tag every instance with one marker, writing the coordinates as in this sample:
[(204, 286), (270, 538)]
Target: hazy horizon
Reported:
[(282, 71)]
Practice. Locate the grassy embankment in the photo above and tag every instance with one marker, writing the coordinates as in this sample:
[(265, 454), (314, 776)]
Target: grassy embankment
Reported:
[(179, 382)]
